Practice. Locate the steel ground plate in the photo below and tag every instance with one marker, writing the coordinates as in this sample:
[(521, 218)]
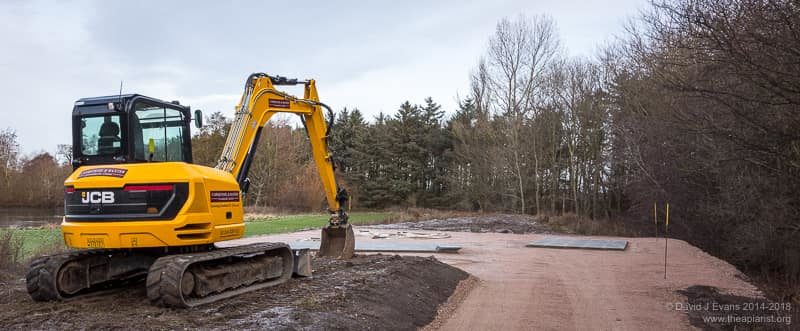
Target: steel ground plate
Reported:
[(566, 242)]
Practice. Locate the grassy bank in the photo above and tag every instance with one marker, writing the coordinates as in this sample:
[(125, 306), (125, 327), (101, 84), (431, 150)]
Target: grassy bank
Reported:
[(19, 245), (292, 223)]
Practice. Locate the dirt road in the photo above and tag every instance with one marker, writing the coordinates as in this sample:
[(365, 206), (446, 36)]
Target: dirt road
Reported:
[(555, 289)]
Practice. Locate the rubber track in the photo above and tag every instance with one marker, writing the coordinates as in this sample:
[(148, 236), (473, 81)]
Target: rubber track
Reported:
[(164, 277), (41, 277)]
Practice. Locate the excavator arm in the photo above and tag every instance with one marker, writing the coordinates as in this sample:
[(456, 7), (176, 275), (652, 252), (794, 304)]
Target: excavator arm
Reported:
[(258, 103)]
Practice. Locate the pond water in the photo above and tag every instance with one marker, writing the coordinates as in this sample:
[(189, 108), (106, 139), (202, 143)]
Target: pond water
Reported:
[(29, 217)]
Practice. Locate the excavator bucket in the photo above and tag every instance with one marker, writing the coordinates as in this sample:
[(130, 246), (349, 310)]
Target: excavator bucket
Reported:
[(337, 241)]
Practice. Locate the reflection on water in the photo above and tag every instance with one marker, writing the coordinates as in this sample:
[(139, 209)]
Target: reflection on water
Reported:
[(29, 217)]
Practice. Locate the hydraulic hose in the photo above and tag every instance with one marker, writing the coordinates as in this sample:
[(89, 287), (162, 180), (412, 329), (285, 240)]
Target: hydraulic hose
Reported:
[(330, 119)]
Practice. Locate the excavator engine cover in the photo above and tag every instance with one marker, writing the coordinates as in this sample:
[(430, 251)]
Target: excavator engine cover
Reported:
[(338, 241)]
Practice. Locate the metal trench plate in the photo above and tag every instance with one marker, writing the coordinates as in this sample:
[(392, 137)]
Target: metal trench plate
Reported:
[(564, 242), (386, 247)]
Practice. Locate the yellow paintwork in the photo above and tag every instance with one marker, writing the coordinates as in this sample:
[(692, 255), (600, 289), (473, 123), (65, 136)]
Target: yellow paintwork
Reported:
[(258, 114), (203, 222), (207, 221)]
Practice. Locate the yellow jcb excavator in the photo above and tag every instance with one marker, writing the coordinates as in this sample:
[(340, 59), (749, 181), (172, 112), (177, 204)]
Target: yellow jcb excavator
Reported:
[(136, 206)]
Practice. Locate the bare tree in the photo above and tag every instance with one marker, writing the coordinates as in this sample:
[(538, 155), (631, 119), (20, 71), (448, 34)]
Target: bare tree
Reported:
[(64, 154), (707, 99), (281, 155), (518, 55), (9, 150)]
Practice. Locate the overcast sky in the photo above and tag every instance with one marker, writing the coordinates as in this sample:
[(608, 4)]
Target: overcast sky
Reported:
[(368, 55)]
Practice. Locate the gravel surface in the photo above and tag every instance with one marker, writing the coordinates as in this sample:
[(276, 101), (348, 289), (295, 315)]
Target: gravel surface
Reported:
[(524, 288)]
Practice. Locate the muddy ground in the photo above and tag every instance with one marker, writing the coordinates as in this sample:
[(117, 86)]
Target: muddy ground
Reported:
[(709, 309), (368, 292), (480, 224)]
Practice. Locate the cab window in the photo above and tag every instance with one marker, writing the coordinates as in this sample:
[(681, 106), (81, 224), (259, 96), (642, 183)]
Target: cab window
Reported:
[(100, 135), (158, 133)]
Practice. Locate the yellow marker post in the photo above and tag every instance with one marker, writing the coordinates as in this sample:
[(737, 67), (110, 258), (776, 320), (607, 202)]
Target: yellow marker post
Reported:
[(655, 218), (666, 240)]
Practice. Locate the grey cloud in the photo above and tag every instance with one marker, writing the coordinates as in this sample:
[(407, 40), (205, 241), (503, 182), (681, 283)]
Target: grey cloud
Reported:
[(371, 55)]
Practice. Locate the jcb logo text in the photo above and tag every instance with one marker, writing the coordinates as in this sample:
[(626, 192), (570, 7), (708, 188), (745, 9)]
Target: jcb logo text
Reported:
[(97, 197)]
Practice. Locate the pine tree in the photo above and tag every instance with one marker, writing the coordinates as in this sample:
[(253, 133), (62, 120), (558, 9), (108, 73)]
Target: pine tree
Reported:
[(438, 144), (348, 146), (380, 187)]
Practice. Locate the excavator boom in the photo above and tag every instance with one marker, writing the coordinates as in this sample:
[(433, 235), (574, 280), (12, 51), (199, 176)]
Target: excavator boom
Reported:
[(259, 102)]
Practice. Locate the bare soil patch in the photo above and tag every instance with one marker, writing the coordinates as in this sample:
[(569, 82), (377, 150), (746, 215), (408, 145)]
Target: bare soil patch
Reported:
[(500, 223), (368, 292), (709, 309)]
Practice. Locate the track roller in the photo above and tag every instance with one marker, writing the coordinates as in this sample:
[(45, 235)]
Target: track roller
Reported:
[(74, 274), (188, 280)]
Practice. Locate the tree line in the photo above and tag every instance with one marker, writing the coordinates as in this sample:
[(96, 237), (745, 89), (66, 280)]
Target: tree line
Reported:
[(696, 104), (706, 116), (31, 181)]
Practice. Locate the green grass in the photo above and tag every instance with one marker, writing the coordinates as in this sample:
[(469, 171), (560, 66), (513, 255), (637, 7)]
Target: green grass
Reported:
[(294, 223), (34, 241)]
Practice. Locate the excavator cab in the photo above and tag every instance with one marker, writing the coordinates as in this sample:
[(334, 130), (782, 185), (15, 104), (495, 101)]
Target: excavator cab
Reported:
[(131, 129)]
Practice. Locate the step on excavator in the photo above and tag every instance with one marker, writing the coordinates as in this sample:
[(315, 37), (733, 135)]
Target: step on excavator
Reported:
[(136, 207)]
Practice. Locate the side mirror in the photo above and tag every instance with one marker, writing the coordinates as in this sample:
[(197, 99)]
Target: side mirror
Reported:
[(198, 118)]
